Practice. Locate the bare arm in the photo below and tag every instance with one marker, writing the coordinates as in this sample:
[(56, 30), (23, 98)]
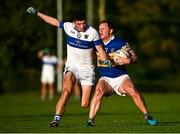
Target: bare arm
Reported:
[(40, 54), (128, 60), (102, 52), (133, 57), (48, 19)]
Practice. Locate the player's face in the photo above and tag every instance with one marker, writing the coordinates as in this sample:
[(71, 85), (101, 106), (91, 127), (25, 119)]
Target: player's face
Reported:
[(80, 25), (104, 31)]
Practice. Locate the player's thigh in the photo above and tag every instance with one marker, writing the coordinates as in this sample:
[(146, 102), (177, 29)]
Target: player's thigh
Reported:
[(77, 87), (44, 78), (69, 81), (128, 87), (103, 88), (50, 79)]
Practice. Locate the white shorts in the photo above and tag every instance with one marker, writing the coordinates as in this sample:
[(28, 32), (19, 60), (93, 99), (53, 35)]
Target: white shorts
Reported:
[(116, 82), (84, 76), (47, 77)]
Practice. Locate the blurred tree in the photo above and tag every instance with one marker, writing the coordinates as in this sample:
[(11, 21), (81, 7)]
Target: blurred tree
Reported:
[(152, 28), (21, 37), (101, 10)]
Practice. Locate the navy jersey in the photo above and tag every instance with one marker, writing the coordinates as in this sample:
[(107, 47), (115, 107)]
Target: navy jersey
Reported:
[(116, 70)]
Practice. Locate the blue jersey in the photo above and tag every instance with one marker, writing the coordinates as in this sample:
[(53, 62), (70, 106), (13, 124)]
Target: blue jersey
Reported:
[(116, 70)]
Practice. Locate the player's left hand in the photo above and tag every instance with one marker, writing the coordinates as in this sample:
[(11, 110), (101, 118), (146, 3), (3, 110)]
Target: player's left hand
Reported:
[(31, 10)]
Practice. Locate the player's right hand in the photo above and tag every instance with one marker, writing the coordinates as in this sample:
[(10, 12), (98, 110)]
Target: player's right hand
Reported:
[(31, 10), (107, 62)]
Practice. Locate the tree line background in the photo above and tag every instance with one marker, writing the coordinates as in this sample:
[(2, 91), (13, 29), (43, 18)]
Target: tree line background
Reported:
[(152, 28)]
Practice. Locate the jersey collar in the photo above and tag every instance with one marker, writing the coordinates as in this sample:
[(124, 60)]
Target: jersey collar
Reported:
[(112, 37)]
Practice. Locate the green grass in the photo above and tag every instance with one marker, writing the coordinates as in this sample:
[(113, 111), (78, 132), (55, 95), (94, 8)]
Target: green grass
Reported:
[(26, 113)]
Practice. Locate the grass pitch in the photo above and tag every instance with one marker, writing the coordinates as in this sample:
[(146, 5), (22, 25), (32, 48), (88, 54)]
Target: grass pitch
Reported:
[(25, 112)]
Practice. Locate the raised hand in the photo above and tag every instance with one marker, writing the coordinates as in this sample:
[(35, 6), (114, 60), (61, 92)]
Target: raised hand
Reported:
[(31, 10)]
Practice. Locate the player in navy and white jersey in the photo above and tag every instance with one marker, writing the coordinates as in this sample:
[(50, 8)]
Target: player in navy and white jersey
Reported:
[(116, 78), (49, 62), (81, 40)]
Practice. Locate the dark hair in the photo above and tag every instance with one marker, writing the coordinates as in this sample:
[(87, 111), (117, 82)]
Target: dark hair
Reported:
[(108, 23), (79, 16)]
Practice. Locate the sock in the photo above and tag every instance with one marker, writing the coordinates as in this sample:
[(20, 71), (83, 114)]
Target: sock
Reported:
[(43, 98), (91, 120), (51, 97), (147, 116), (57, 118)]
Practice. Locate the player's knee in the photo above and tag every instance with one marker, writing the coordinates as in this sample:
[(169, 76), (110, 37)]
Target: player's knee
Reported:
[(134, 93), (85, 104), (66, 92), (99, 92)]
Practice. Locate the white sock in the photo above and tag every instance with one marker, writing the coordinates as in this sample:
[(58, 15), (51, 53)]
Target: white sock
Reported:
[(57, 118)]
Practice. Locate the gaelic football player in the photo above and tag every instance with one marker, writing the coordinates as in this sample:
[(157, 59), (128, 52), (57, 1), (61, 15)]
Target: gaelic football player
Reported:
[(116, 78), (81, 40)]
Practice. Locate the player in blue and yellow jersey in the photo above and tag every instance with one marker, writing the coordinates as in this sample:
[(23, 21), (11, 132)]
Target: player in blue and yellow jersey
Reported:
[(116, 78), (81, 40)]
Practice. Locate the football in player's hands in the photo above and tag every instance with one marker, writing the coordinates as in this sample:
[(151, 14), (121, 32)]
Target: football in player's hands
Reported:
[(121, 53)]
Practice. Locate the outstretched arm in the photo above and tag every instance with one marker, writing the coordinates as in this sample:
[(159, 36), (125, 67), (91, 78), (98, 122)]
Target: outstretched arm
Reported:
[(48, 19)]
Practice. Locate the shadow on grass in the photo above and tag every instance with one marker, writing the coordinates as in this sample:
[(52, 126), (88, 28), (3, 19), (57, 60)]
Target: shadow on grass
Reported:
[(169, 123)]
